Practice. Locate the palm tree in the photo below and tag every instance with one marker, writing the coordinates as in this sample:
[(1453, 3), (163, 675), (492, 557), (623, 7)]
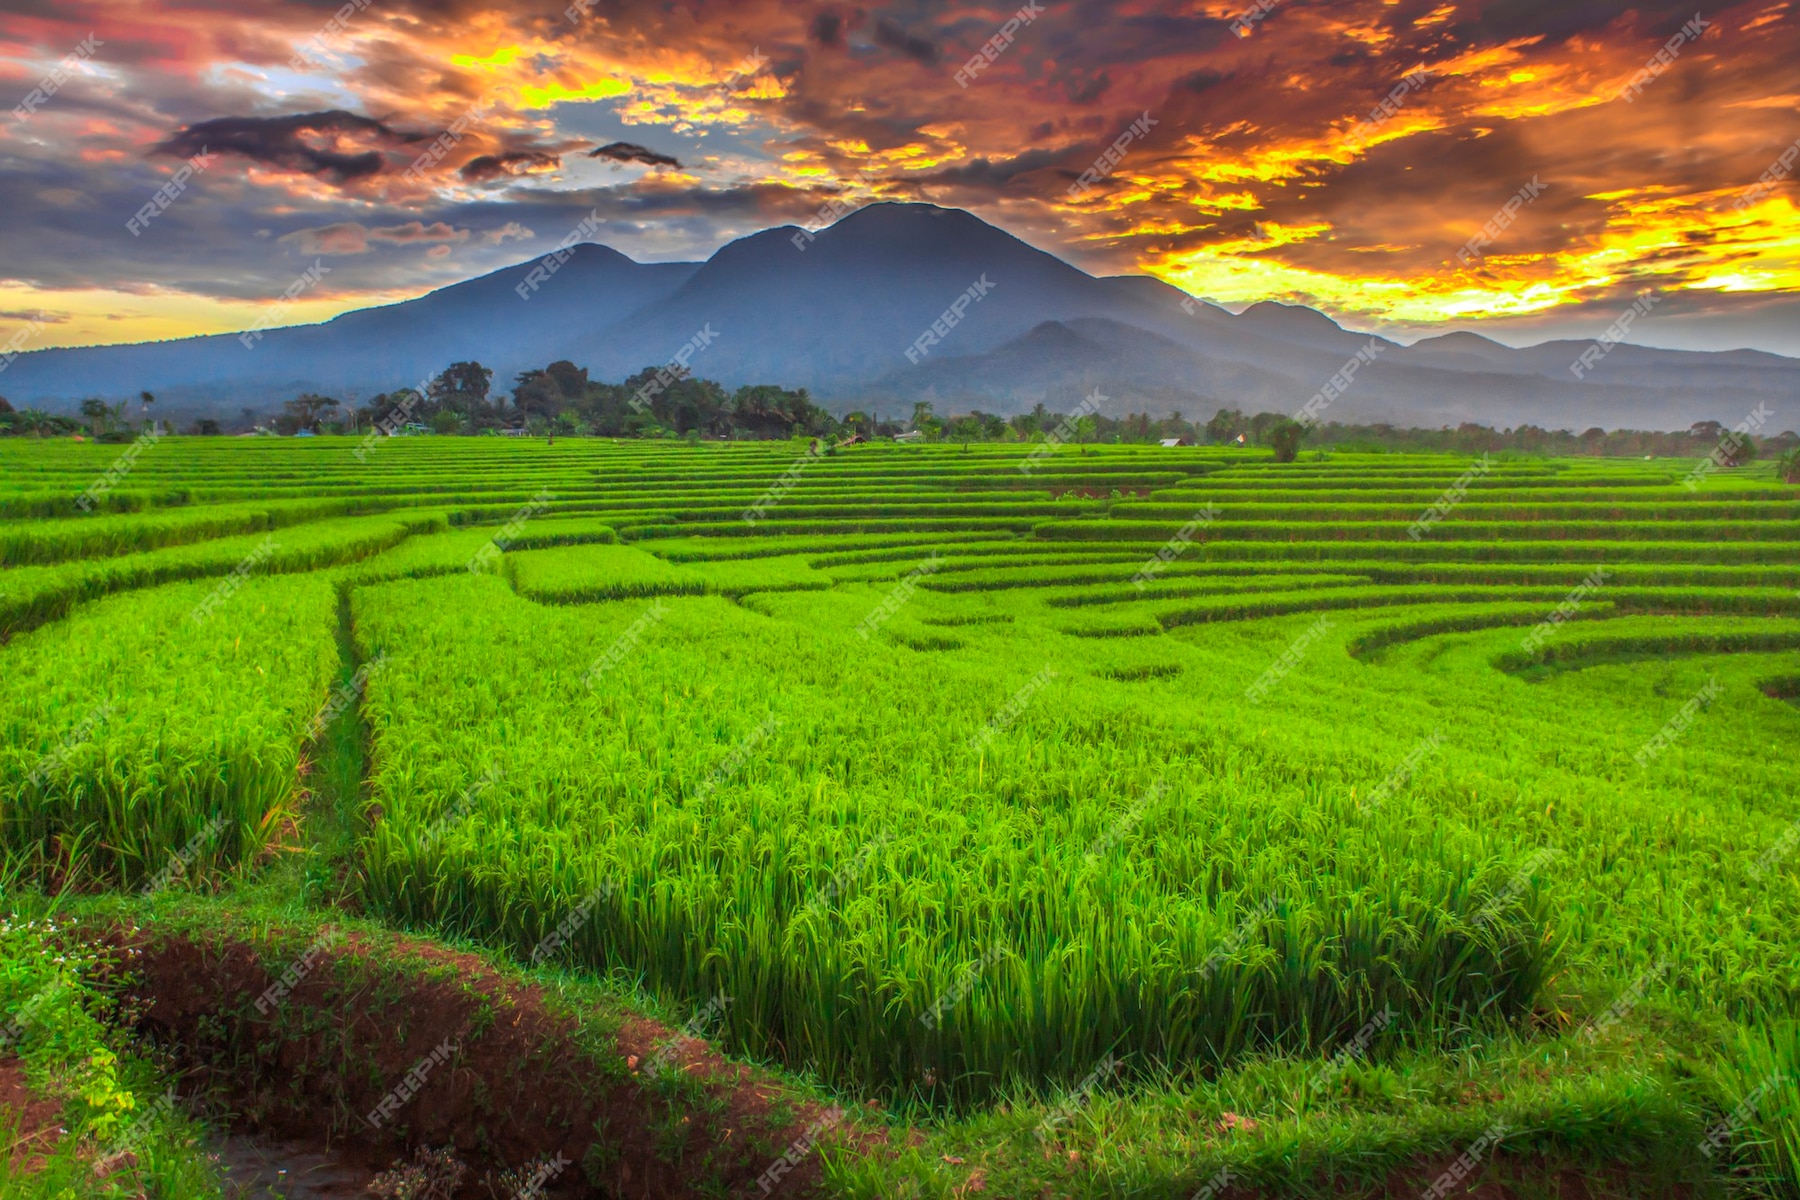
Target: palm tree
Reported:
[(35, 421)]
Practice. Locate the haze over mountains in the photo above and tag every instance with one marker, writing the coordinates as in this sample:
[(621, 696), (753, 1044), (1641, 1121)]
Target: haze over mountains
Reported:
[(838, 317)]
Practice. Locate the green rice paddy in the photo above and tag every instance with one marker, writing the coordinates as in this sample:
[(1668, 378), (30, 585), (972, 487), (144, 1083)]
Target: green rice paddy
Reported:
[(961, 782)]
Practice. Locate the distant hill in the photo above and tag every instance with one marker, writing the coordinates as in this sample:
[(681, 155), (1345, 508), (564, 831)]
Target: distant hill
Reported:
[(838, 316)]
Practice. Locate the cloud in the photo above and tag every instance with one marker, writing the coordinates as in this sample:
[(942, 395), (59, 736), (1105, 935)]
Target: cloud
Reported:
[(351, 237), (519, 162), (919, 49), (337, 146), (632, 152), (508, 231)]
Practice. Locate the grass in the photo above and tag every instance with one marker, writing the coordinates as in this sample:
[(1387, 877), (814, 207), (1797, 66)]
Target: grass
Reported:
[(959, 864)]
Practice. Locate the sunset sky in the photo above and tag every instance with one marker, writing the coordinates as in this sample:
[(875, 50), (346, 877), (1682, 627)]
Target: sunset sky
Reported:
[(1260, 174)]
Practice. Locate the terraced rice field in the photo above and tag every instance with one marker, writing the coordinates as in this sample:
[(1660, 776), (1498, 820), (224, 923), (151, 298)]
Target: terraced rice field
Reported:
[(1115, 818)]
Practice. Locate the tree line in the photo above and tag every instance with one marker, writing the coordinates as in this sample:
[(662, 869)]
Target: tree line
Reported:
[(660, 402)]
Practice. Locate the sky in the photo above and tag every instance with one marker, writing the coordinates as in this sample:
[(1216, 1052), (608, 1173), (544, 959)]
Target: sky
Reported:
[(1522, 169)]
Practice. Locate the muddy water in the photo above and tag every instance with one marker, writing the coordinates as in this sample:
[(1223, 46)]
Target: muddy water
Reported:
[(259, 1168)]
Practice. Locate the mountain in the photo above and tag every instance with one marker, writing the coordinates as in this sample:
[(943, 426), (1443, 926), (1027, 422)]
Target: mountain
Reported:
[(837, 312)]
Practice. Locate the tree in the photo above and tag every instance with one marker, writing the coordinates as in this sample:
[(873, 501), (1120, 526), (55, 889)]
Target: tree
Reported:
[(462, 387), (304, 412), (1285, 438), (206, 427), (36, 422), (1226, 424), (1705, 431), (1789, 467), (1737, 449), (98, 414), (4, 406)]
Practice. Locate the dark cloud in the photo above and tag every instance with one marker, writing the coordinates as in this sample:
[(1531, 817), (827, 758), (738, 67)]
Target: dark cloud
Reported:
[(994, 174), (1203, 80), (324, 144), (632, 152), (518, 162), (919, 49), (827, 29)]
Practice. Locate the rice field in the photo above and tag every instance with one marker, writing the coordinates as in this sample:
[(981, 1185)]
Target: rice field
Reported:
[(961, 775)]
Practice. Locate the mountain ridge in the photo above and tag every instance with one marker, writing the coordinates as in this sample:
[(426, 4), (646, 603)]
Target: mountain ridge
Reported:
[(836, 311)]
